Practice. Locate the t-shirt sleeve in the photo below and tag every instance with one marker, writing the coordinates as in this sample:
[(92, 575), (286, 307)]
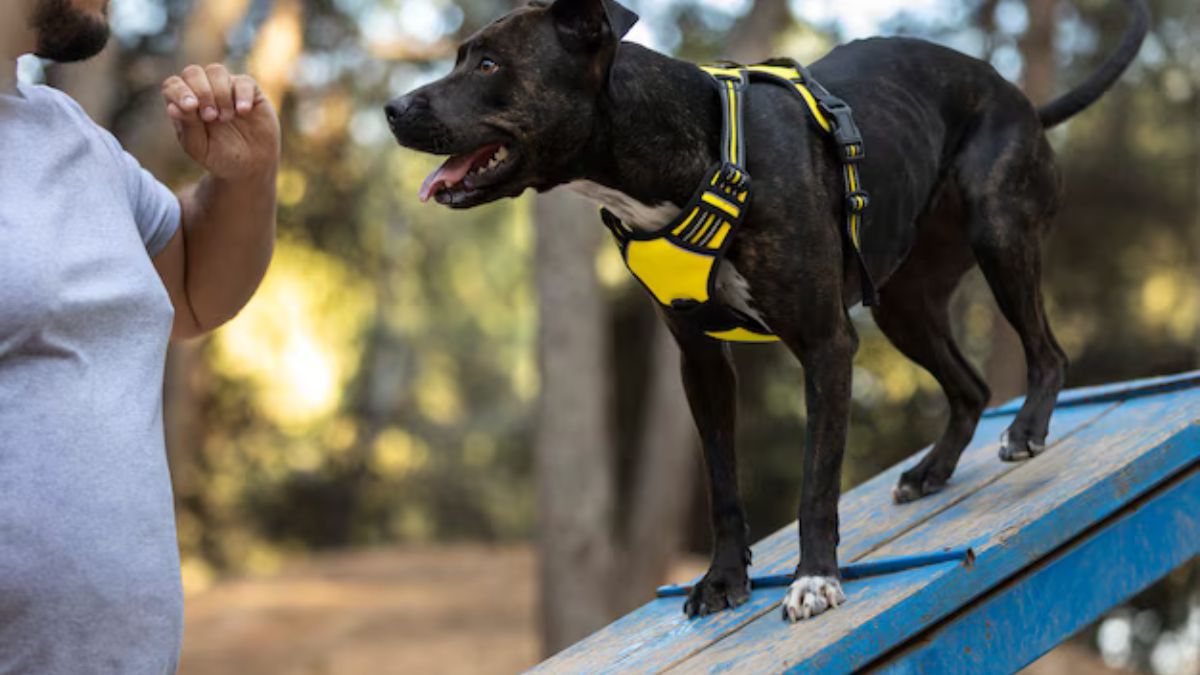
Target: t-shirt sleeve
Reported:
[(155, 208)]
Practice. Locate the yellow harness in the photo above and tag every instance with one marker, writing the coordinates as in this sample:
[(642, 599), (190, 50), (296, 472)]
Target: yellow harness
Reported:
[(678, 263)]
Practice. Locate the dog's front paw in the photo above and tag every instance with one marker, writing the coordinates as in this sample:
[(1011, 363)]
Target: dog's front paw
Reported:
[(1017, 447), (810, 596), (718, 590)]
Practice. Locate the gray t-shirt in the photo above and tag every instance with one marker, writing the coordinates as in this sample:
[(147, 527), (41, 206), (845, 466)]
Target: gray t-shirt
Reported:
[(89, 566)]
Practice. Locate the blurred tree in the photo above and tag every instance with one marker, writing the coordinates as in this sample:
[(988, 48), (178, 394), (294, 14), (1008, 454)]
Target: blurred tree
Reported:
[(575, 465)]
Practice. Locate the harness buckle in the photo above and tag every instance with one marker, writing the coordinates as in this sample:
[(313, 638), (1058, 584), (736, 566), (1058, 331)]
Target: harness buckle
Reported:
[(845, 131), (857, 201), (731, 176)]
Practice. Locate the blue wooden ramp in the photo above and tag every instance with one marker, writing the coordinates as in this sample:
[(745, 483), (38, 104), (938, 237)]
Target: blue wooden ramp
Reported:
[(1110, 507)]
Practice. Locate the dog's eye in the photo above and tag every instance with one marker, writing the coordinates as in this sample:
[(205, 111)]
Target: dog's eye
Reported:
[(488, 66)]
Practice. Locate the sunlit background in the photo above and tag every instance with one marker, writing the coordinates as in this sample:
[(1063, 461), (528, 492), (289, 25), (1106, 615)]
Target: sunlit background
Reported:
[(354, 456)]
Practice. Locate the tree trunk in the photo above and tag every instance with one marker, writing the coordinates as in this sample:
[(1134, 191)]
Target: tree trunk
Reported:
[(665, 477), (1038, 51), (573, 451)]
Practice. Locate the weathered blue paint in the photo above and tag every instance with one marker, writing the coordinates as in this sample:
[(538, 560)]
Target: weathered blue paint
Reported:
[(1024, 618), (862, 570), (1107, 393), (1021, 517), (658, 633), (1108, 447)]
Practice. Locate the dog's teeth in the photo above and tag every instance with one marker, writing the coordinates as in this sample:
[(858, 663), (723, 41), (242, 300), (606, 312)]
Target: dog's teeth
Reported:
[(502, 153)]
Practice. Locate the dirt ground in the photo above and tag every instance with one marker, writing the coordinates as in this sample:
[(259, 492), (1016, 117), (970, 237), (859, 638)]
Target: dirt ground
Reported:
[(462, 609), (457, 610)]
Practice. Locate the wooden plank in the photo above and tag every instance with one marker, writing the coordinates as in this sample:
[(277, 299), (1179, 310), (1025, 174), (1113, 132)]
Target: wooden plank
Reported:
[(1023, 515), (1108, 393), (869, 517), (657, 635), (1027, 616)]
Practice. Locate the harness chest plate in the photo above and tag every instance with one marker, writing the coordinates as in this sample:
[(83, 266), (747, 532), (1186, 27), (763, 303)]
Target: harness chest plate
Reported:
[(678, 263)]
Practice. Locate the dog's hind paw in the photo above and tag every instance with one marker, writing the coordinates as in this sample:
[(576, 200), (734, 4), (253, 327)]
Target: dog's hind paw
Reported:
[(1018, 449), (810, 596)]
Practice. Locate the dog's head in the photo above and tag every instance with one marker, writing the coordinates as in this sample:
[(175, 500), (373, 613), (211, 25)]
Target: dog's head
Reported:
[(519, 104)]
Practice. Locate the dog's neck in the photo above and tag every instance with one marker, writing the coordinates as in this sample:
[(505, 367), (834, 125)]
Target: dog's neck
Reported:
[(658, 129)]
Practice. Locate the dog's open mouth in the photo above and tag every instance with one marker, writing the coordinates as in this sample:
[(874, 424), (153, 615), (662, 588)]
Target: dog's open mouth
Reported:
[(463, 179)]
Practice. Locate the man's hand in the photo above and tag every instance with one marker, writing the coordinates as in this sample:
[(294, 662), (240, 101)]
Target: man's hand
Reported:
[(224, 122), (216, 260)]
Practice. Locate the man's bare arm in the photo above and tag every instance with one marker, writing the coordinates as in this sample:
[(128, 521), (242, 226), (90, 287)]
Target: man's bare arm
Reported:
[(215, 262)]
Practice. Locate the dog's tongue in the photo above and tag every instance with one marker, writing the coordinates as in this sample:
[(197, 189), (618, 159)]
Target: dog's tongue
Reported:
[(453, 171)]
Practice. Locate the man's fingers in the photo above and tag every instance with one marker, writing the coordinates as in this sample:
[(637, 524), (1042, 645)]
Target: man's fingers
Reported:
[(222, 86), (182, 103), (245, 91), (197, 79), (209, 94)]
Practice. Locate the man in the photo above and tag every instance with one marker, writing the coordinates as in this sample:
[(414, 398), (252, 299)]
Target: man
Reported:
[(100, 265)]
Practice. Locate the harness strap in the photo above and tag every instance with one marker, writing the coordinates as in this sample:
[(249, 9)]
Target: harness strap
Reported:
[(835, 118), (732, 81)]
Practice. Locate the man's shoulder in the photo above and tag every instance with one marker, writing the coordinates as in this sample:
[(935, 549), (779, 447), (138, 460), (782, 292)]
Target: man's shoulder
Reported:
[(54, 100), (63, 111)]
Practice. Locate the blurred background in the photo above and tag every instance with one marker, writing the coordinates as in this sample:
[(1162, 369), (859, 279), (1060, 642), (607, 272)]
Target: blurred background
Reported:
[(404, 457)]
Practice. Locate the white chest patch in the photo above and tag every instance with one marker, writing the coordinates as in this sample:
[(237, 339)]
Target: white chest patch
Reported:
[(633, 213), (732, 288)]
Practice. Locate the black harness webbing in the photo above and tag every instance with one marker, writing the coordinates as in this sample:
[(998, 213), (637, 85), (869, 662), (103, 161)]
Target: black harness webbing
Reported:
[(678, 263)]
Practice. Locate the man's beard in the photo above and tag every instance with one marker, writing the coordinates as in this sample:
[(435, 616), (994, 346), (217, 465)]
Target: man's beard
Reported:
[(67, 34)]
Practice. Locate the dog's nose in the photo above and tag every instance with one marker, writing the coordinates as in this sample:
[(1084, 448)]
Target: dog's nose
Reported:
[(397, 108)]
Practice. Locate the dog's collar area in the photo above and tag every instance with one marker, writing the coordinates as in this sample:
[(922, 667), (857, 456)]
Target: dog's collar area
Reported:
[(677, 264)]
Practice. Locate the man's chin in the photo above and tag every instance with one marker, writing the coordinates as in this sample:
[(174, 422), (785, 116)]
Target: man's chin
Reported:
[(67, 34)]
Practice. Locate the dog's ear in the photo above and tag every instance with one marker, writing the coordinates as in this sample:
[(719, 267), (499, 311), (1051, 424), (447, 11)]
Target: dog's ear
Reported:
[(591, 24), (620, 18)]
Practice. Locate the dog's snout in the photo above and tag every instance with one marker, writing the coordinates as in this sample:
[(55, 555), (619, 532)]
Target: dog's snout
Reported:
[(397, 108), (394, 110)]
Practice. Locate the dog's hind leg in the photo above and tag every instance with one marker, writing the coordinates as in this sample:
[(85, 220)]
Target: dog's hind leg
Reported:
[(1010, 183), (710, 382), (914, 314)]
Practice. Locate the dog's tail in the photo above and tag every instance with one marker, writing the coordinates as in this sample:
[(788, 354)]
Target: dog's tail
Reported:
[(1069, 104)]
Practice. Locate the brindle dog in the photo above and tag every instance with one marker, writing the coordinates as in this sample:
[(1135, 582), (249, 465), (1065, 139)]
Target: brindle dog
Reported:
[(959, 171)]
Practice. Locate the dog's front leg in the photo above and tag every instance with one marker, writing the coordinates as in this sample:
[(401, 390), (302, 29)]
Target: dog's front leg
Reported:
[(711, 385), (827, 359)]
